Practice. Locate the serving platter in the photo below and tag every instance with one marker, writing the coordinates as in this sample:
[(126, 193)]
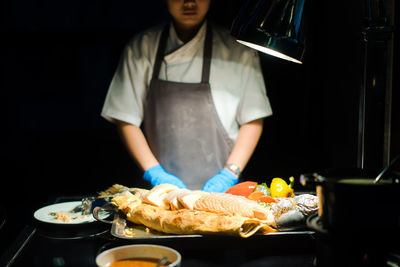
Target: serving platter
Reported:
[(124, 229)]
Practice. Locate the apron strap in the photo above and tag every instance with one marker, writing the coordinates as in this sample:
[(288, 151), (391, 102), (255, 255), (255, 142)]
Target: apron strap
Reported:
[(160, 52), (205, 76)]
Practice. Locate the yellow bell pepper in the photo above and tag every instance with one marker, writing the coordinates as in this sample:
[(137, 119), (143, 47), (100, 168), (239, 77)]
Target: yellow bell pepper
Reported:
[(279, 188)]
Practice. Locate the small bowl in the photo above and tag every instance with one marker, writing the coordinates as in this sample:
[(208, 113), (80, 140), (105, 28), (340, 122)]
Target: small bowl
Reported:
[(140, 252)]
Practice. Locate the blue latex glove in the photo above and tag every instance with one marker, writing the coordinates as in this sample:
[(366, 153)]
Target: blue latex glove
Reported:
[(220, 182), (157, 175)]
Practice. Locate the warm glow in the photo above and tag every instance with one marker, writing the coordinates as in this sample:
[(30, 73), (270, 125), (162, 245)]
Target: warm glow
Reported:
[(269, 51)]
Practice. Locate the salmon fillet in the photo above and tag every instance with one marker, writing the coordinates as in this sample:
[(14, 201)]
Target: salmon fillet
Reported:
[(234, 205)]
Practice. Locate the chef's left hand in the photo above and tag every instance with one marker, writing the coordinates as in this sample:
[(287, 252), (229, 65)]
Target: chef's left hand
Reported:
[(221, 181)]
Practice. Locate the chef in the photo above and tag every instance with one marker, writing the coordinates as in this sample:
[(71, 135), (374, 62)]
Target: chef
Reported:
[(189, 101)]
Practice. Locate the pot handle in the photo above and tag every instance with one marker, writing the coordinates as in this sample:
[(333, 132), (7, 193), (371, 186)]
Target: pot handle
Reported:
[(311, 178), (387, 169), (96, 215)]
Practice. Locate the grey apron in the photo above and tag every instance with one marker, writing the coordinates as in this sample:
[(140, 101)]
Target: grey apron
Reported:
[(181, 123)]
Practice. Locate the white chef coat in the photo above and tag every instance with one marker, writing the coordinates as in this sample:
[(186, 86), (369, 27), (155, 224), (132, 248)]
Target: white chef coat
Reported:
[(236, 81)]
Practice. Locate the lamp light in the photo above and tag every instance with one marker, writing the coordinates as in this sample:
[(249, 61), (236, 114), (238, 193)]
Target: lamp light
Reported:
[(275, 27)]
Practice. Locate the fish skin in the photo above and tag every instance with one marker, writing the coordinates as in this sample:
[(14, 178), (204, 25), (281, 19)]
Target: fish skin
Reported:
[(292, 213), (307, 204)]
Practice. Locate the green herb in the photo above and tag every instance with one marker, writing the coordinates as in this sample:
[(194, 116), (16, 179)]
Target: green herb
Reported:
[(291, 179), (263, 188)]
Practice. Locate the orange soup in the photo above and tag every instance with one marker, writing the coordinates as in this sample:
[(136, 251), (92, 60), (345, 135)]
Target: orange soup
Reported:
[(137, 262)]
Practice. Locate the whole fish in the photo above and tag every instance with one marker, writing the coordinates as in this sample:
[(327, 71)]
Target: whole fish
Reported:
[(292, 213)]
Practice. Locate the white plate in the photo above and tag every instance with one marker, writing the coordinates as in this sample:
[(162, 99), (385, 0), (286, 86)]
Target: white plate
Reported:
[(45, 214)]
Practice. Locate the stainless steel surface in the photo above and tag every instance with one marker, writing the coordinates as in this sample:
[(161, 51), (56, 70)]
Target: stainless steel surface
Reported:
[(361, 113), (375, 95), (389, 94), (124, 229), (387, 169)]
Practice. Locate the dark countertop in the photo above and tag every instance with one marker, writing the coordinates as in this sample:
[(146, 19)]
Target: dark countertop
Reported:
[(52, 245)]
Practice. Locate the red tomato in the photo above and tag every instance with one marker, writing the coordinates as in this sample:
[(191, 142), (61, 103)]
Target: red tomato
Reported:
[(267, 199), (256, 195), (242, 189)]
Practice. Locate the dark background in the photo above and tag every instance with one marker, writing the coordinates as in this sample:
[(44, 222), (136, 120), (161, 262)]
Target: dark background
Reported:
[(58, 58)]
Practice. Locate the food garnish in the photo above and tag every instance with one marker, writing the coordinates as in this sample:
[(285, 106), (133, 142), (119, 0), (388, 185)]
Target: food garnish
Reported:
[(261, 192), (267, 199), (242, 189), (263, 188), (279, 188), (256, 195)]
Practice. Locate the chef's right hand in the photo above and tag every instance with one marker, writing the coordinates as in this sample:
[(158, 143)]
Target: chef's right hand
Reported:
[(157, 175)]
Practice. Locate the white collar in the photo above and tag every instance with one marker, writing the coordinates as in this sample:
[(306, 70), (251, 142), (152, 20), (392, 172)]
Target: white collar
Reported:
[(176, 47)]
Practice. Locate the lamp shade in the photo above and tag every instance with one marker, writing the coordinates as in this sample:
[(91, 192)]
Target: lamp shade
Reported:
[(275, 27)]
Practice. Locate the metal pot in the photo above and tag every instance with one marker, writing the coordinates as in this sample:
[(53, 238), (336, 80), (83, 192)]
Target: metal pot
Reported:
[(349, 199)]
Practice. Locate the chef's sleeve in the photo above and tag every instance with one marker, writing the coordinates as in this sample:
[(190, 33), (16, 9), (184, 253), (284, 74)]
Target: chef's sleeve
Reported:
[(254, 103), (125, 97)]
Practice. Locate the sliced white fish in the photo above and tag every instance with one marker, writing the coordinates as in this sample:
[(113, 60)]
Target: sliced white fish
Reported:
[(188, 199), (157, 195), (171, 199)]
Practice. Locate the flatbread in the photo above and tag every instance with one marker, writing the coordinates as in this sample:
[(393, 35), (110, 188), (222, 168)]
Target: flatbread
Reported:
[(185, 221)]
